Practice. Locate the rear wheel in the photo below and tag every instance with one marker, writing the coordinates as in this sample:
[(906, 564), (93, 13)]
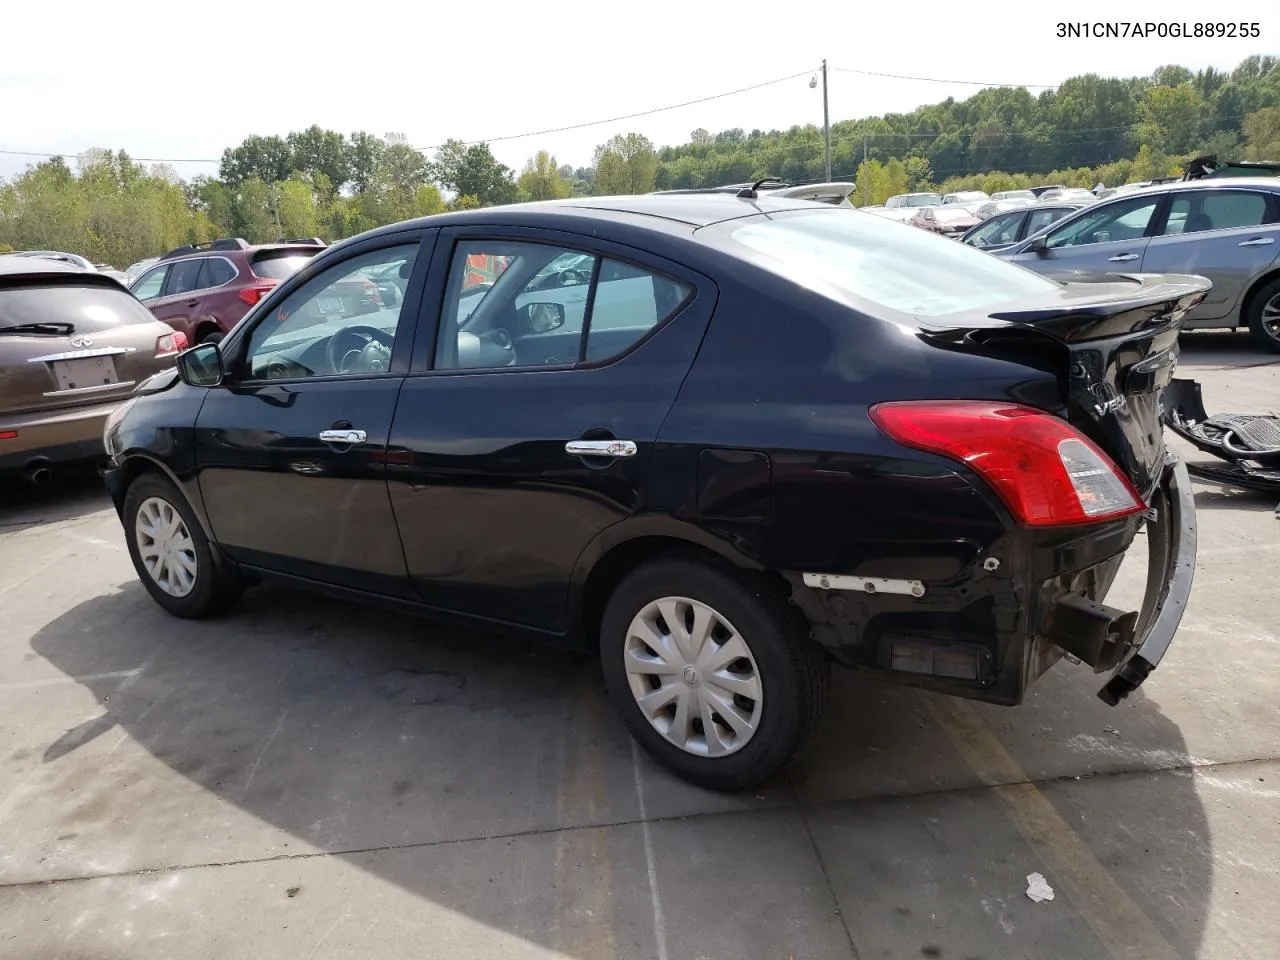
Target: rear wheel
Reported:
[(174, 559), (1264, 316), (718, 680)]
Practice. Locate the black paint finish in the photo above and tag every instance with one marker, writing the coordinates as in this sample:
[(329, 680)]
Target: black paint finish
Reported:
[(749, 412)]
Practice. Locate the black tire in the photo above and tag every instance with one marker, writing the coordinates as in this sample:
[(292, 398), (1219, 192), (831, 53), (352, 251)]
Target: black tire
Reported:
[(216, 584), (792, 669), (1266, 338)]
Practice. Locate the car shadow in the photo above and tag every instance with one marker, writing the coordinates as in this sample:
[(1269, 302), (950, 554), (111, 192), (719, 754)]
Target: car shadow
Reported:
[(72, 493), (1228, 347), (421, 753)]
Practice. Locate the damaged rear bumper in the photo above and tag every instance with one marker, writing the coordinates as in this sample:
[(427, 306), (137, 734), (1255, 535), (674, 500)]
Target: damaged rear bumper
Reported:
[(1171, 567)]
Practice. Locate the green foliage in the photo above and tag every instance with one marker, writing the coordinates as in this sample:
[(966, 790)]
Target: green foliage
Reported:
[(626, 164), (1262, 129), (541, 179), (472, 171)]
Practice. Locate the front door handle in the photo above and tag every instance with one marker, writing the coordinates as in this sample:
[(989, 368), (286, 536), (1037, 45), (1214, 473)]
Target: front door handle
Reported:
[(600, 448), (193, 303), (1123, 258), (1256, 242), (347, 436)]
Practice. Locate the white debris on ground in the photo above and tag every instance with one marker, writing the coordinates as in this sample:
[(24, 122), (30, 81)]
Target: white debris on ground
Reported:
[(1038, 888)]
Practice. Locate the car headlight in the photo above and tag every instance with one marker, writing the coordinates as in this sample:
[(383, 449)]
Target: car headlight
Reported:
[(113, 421)]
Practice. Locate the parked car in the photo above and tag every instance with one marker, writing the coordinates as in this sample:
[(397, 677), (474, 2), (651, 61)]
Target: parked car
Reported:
[(107, 270), (971, 200), (1005, 229), (949, 221), (903, 206), (73, 344), (1044, 188), (992, 207), (134, 270), (72, 258), (718, 503), (1014, 195), (1078, 194), (203, 290), (1227, 230), (835, 192), (1211, 168)]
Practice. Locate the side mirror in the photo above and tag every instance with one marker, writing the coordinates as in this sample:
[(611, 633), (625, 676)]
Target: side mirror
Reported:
[(1038, 245), (201, 366), (542, 317)]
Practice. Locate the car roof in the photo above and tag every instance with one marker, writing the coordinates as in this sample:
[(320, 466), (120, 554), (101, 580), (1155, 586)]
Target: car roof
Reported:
[(691, 209), (1216, 183), (35, 268)]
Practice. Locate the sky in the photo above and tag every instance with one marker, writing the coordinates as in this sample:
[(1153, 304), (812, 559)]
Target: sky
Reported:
[(181, 82)]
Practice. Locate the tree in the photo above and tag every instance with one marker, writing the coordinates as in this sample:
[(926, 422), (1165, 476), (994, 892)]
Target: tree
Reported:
[(1173, 117), (472, 171), (296, 204), (365, 154), (321, 151), (267, 158), (542, 179), (626, 164), (919, 174), (1262, 129)]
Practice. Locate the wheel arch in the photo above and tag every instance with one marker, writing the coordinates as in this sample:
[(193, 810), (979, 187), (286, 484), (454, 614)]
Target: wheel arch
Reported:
[(623, 547), (138, 464), (1246, 302)]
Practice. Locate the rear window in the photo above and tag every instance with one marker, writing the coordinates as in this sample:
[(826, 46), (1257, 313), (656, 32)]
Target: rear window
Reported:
[(279, 264), (89, 308), (906, 270)]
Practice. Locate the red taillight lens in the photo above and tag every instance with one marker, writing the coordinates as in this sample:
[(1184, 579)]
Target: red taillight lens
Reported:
[(171, 344), (8, 434), (252, 295), (1046, 471), (373, 293)]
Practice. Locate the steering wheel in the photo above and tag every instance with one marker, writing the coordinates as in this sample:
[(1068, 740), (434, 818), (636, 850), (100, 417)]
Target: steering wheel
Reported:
[(359, 349)]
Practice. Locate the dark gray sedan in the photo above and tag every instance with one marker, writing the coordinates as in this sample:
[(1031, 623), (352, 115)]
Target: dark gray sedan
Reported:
[(1226, 230)]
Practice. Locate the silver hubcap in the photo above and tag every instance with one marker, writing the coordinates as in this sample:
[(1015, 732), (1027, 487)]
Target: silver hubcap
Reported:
[(165, 546), (1271, 316), (693, 676)]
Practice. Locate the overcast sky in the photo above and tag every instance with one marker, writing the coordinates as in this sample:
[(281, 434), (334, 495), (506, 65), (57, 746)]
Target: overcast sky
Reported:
[(181, 82)]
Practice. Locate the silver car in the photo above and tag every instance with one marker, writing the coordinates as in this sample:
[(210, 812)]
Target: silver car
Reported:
[(1227, 230)]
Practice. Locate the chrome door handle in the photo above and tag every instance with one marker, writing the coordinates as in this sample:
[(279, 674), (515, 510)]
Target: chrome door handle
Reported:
[(1256, 242), (343, 436), (600, 448), (1124, 257)]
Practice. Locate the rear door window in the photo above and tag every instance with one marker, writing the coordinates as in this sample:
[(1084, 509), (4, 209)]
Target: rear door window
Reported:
[(1120, 220), (1200, 210), (184, 277), (215, 272)]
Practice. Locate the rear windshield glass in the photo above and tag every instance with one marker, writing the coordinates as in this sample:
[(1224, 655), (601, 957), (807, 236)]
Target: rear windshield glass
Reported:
[(877, 260), (278, 264), (88, 308)]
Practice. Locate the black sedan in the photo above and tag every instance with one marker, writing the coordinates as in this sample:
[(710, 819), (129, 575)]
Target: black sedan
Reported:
[(754, 436)]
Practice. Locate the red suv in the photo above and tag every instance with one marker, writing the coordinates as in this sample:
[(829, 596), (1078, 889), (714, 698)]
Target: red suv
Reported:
[(204, 289)]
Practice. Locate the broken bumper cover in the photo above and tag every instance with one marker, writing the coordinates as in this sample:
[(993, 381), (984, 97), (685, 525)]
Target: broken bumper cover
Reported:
[(1171, 566)]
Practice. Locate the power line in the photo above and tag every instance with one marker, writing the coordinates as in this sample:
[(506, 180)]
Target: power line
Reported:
[(512, 136), (969, 83)]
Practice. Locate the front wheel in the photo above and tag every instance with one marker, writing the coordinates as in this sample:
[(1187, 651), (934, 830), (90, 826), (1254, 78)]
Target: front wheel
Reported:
[(170, 552), (717, 679), (1264, 316)]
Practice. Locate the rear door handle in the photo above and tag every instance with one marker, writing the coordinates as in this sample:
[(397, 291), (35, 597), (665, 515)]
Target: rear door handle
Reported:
[(344, 436), (600, 448), (193, 303), (1123, 257), (1256, 242)]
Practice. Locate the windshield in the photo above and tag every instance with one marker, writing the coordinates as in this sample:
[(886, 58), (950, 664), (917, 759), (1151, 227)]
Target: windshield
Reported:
[(906, 270), (953, 212), (75, 308), (920, 200)]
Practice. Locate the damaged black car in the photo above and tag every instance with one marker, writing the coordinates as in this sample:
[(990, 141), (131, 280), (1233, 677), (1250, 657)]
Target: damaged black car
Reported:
[(723, 441)]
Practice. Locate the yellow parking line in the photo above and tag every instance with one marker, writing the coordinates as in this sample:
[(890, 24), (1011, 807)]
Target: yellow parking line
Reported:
[(1127, 932)]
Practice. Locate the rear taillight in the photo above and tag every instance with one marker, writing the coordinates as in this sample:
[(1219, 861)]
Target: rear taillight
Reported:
[(252, 295), (1046, 471), (373, 293), (8, 434), (171, 344)]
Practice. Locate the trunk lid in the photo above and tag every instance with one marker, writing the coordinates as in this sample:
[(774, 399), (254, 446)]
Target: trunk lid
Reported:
[(99, 342), (1112, 344)]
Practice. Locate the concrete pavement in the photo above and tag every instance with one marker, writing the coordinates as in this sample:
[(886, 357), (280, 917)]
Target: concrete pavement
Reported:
[(307, 779)]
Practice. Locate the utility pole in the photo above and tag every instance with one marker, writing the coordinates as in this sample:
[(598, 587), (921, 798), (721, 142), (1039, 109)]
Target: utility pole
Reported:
[(275, 206), (826, 120)]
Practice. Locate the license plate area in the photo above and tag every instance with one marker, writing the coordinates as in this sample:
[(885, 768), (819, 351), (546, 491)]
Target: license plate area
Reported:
[(85, 373), (329, 305)]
